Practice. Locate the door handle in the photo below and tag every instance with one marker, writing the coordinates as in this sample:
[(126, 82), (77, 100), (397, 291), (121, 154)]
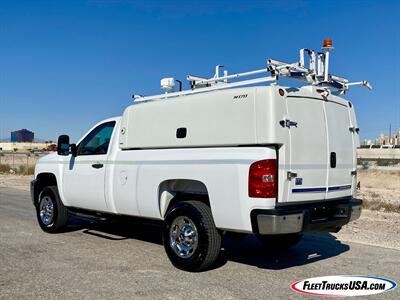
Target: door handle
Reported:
[(97, 165), (333, 159), (287, 123)]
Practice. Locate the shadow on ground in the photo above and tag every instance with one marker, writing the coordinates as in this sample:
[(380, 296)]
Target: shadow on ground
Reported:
[(312, 248)]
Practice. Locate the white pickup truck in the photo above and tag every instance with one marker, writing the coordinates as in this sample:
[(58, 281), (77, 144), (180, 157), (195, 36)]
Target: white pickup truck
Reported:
[(266, 160)]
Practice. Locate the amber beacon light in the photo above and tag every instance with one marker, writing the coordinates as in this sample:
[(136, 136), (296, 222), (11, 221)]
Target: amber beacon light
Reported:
[(327, 44)]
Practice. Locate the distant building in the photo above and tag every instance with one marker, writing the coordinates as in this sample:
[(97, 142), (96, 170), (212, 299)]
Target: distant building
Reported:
[(388, 140), (22, 136), (367, 142)]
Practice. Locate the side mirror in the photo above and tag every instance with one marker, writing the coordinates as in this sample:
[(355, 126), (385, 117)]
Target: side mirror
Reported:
[(74, 150), (63, 145)]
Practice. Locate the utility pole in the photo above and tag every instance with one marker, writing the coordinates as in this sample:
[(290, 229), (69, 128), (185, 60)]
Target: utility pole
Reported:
[(390, 133)]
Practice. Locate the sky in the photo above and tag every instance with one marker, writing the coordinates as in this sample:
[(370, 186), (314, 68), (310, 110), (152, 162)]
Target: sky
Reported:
[(65, 65)]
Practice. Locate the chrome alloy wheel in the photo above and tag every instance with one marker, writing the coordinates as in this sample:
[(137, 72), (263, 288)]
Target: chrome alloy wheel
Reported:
[(183, 237), (46, 210)]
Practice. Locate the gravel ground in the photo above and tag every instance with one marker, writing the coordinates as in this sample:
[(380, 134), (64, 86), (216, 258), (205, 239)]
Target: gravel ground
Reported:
[(380, 188), (373, 228), (127, 261), (20, 182)]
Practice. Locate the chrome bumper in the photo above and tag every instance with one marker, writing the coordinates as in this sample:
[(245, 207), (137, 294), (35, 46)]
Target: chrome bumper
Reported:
[(271, 224), (316, 216), (355, 212)]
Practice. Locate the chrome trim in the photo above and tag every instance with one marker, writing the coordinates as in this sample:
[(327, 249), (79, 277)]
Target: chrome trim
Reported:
[(274, 224), (183, 237), (355, 212), (46, 211)]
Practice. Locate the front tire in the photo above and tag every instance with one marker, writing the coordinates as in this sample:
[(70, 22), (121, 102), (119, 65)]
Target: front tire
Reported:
[(52, 215), (191, 240)]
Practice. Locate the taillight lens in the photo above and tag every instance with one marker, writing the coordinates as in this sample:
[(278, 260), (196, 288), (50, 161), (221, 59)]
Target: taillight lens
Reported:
[(263, 179)]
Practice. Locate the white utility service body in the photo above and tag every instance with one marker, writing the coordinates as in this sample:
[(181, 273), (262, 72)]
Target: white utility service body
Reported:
[(220, 157), (236, 128)]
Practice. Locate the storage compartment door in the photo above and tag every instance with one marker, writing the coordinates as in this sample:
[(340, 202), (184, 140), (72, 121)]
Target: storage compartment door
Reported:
[(342, 145), (308, 149)]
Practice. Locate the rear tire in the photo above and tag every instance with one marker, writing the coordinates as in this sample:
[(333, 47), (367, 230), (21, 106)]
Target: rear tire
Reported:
[(279, 242), (191, 240), (51, 213)]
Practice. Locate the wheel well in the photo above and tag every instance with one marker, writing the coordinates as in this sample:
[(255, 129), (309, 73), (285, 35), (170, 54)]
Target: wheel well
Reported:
[(42, 180), (175, 190)]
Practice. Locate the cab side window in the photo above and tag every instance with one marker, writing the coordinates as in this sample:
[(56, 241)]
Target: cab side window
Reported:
[(97, 141)]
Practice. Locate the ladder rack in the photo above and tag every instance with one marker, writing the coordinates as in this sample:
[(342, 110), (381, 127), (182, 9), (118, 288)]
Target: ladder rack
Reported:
[(317, 74)]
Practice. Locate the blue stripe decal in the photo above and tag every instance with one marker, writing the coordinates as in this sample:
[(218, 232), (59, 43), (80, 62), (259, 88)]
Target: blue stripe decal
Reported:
[(339, 188), (322, 189), (310, 190)]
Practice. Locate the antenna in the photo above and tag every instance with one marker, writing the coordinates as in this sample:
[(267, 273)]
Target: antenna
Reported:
[(316, 73)]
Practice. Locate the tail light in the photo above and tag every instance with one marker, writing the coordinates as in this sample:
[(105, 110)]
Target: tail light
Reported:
[(263, 179)]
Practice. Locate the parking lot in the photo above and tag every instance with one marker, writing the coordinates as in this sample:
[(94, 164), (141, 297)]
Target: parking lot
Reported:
[(127, 260)]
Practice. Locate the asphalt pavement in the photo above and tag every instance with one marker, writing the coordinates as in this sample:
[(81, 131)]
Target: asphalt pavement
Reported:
[(127, 261)]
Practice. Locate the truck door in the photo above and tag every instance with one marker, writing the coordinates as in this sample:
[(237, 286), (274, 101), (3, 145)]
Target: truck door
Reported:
[(342, 160), (307, 170), (84, 176)]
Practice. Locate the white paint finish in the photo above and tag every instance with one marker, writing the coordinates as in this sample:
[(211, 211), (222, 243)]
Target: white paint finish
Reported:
[(356, 144), (340, 142), (122, 197), (53, 164), (211, 119), (241, 116), (353, 121), (83, 185), (224, 172), (308, 146), (284, 185), (131, 179)]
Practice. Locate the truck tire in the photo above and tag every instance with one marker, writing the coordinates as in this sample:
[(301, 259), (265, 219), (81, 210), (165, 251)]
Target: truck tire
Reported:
[(279, 242), (52, 215), (191, 240)]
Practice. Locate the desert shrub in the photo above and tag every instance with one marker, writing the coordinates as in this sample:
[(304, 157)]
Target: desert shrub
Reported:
[(4, 168), (381, 205), (31, 170), (22, 170), (375, 195), (387, 162)]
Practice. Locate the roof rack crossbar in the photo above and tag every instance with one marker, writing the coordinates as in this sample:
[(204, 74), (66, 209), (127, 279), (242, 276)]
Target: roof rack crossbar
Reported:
[(207, 89), (317, 73)]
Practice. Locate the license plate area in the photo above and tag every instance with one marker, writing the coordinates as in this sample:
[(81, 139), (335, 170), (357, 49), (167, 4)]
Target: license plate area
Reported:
[(318, 214), (324, 213)]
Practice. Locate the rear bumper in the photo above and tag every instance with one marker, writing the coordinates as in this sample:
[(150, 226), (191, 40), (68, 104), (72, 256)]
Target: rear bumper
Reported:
[(314, 216)]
